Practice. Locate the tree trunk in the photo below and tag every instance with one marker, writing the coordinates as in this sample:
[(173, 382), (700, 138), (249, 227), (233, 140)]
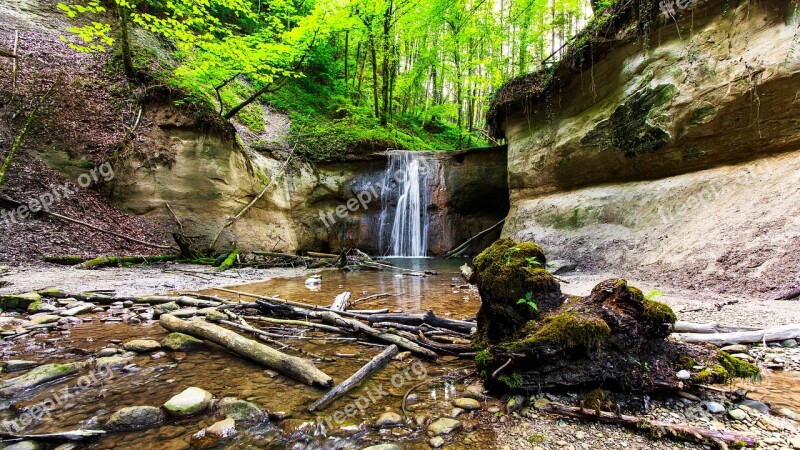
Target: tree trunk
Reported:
[(375, 99), (347, 385), (346, 58), (291, 366), (776, 334), (125, 46)]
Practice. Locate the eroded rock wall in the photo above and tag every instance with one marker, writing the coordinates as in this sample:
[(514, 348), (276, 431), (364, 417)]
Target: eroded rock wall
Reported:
[(674, 156)]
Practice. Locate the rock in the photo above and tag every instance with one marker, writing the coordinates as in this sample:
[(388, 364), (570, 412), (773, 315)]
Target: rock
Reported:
[(43, 319), (191, 401), (25, 445), (108, 351), (475, 391), (541, 403), (388, 420), (743, 357), (444, 425), (164, 308), (683, 375), (715, 408), (111, 362), (755, 405), (214, 434), (239, 410), (384, 447), (789, 343), (580, 435), (78, 310), (141, 345), (455, 412), (788, 413), (436, 441), (737, 414), (16, 365), (28, 301), (135, 418), (293, 428), (313, 280), (795, 442), (37, 376), (179, 342), (514, 404), (689, 396), (737, 348), (470, 404)]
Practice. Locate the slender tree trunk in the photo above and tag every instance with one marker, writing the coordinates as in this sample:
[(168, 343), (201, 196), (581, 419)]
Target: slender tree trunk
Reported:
[(375, 98), (125, 46), (387, 62), (346, 58)]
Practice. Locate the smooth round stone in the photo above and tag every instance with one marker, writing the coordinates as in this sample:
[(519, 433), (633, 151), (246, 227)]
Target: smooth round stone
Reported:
[(737, 414), (388, 420), (141, 345), (715, 408), (683, 375), (444, 425), (469, 404), (135, 418), (191, 401)]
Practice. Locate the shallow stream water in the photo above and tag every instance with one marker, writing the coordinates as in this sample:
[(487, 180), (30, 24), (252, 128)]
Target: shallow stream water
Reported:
[(224, 374)]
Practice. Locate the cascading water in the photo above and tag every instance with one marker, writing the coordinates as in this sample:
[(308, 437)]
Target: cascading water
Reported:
[(405, 199)]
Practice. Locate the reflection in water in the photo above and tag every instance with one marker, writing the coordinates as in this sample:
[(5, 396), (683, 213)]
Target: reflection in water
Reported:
[(155, 378)]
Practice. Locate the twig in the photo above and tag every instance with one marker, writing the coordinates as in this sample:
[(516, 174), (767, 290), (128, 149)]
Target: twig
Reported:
[(501, 368), (174, 216)]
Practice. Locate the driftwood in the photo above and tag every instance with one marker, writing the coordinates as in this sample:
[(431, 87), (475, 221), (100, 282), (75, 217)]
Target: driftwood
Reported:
[(75, 435), (302, 323), (427, 317), (742, 337), (341, 302), (347, 385), (442, 347), (469, 242), (294, 367), (106, 261), (335, 319), (290, 303), (711, 327), (655, 428)]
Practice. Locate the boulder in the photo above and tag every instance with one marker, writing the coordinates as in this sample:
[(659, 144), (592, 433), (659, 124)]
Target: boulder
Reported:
[(444, 425), (38, 376), (191, 401), (135, 418), (214, 434), (180, 342), (20, 302), (239, 410), (141, 345), (468, 404)]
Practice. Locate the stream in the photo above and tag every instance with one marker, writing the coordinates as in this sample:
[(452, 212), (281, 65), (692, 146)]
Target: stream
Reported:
[(159, 376)]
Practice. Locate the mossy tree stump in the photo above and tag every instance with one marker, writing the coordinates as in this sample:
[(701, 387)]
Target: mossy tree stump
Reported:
[(614, 337)]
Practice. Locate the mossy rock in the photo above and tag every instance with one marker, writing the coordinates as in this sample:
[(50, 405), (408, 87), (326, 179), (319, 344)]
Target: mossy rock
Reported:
[(738, 368), (711, 375), (180, 342), (20, 302), (565, 331), (508, 272), (597, 399)]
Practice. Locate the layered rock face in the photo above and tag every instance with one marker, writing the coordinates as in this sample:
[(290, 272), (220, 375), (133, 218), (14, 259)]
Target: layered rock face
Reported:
[(675, 152), (206, 179)]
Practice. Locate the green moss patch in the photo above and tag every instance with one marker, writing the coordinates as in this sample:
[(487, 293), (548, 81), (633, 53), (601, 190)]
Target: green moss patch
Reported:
[(737, 368), (566, 330)]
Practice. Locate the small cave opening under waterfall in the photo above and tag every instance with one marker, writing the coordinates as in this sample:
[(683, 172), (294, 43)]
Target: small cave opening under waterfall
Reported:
[(432, 201)]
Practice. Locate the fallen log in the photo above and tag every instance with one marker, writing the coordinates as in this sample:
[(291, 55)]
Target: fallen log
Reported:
[(107, 261), (341, 302), (427, 317), (711, 327), (776, 334), (449, 348), (302, 323), (337, 320), (291, 366), (655, 428), (290, 303), (75, 435), (347, 385), (469, 242)]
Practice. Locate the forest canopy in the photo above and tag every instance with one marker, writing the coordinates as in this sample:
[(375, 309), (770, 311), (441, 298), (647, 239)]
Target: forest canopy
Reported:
[(405, 73)]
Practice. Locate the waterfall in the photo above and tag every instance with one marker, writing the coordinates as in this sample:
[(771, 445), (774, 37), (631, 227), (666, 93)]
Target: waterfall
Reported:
[(405, 198)]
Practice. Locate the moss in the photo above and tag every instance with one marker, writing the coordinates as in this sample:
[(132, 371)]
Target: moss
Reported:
[(684, 362), (597, 399), (536, 439), (513, 381), (657, 312), (711, 375), (566, 330), (482, 358), (737, 368)]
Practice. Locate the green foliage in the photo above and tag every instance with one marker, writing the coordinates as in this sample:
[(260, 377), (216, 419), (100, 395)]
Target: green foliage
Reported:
[(513, 381), (482, 358), (738, 368), (528, 300), (565, 330), (653, 294)]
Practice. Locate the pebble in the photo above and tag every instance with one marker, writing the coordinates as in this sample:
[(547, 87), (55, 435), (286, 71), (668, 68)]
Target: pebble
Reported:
[(737, 414), (715, 408), (683, 375), (388, 420), (436, 441), (444, 425), (469, 404)]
